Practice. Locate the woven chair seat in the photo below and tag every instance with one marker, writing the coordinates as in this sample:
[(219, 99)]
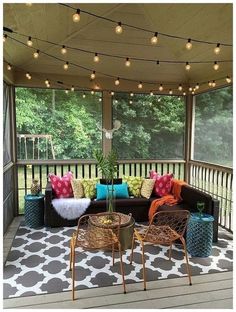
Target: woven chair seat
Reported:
[(158, 234)]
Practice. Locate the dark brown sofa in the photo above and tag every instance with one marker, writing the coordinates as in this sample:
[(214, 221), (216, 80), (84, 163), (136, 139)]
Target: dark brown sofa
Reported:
[(138, 207)]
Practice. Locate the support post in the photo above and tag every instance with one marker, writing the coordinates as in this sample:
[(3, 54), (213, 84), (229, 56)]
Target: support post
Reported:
[(106, 120), (188, 136)]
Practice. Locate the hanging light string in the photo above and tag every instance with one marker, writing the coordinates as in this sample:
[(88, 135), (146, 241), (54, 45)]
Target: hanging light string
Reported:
[(93, 73), (145, 29), (187, 88), (97, 53)]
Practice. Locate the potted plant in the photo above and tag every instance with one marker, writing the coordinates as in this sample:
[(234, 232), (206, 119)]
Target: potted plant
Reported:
[(107, 165)]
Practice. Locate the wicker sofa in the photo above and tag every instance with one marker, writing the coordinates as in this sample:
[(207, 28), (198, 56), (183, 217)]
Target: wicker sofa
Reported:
[(138, 207)]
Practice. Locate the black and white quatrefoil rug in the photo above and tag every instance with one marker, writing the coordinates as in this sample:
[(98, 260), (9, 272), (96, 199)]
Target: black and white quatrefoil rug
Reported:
[(38, 263)]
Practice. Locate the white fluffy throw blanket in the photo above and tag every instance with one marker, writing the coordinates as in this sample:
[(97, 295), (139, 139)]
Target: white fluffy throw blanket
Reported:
[(70, 208)]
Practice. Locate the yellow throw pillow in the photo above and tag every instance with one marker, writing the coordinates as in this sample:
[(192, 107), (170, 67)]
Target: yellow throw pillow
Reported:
[(147, 188), (78, 188), (134, 185), (89, 186)]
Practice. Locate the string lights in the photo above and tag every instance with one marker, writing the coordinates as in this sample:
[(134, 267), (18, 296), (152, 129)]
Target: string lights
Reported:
[(228, 79), (161, 87), (127, 62), (119, 29), (9, 67), (180, 88), (93, 75), (66, 66), (76, 16), (96, 58), (28, 76), (187, 66), (189, 45), (216, 66), (117, 81), (154, 39), (217, 49), (36, 54), (29, 42), (4, 38), (140, 85), (63, 50)]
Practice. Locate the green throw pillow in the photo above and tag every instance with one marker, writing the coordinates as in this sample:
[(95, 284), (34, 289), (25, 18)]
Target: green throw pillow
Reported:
[(89, 186), (134, 185)]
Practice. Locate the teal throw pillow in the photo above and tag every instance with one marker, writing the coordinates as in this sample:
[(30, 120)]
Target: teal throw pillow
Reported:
[(120, 190)]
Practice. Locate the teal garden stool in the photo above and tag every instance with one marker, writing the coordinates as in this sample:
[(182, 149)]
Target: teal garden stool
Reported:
[(200, 235), (34, 210)]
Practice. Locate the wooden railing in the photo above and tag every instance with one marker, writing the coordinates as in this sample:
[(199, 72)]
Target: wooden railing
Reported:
[(215, 180), (218, 182)]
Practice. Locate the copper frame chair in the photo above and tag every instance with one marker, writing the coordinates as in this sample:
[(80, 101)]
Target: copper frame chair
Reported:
[(92, 236), (164, 229)]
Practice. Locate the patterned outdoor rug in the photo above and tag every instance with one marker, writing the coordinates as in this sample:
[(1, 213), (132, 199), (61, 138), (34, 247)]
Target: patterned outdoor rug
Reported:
[(38, 263)]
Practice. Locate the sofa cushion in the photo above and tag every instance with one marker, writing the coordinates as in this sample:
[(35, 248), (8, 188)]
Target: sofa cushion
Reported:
[(147, 187), (163, 183), (62, 185), (89, 186), (120, 190), (134, 185), (78, 188)]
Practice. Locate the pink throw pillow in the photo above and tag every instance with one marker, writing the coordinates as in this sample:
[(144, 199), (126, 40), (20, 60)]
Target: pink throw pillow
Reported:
[(163, 183), (62, 185)]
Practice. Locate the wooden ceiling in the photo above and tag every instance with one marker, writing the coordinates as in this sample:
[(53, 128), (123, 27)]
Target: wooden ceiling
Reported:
[(53, 22)]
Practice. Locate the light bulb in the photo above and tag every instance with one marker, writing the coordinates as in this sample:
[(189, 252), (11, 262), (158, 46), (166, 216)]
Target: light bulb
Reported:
[(190, 89), (100, 99), (161, 87), (76, 16), (217, 49), (66, 66), (154, 39), (8, 66), (29, 42), (116, 101), (187, 66), (151, 93), (197, 86), (159, 99), (96, 58), (179, 98), (117, 81), (189, 45), (131, 94), (36, 54), (66, 91), (127, 62), (4, 38), (213, 83), (193, 92), (28, 76), (228, 79), (130, 102), (180, 88), (48, 85), (209, 83), (92, 76), (119, 29), (184, 93), (112, 93), (84, 95), (170, 91), (72, 88), (63, 50), (140, 85), (92, 92), (46, 81), (216, 66)]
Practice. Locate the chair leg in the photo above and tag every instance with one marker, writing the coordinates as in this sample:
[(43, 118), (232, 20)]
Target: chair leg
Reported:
[(113, 259), (73, 274), (144, 271), (132, 249), (170, 251), (186, 257), (121, 268), (70, 253)]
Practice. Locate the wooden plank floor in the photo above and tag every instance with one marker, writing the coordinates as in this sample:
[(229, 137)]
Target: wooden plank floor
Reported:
[(210, 291)]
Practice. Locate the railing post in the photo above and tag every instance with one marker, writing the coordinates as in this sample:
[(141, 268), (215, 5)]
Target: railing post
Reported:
[(106, 120), (188, 136)]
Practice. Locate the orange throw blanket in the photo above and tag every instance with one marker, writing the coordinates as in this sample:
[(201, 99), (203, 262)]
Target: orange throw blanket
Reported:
[(170, 199)]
